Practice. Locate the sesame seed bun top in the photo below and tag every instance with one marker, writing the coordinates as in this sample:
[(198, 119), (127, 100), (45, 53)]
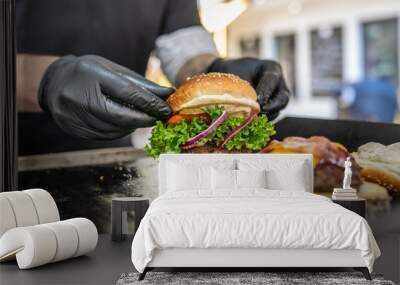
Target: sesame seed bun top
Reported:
[(214, 89)]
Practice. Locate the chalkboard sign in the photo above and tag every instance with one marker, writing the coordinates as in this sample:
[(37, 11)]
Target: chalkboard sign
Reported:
[(381, 49), (326, 61), (285, 50)]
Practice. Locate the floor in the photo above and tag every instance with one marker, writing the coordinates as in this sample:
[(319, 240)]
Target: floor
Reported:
[(103, 266), (110, 259), (389, 263), (385, 224)]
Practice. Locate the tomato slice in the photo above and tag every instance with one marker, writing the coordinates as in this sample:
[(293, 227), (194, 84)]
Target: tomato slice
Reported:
[(178, 117)]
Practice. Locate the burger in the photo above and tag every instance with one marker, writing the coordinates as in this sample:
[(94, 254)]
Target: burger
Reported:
[(328, 158), (214, 112)]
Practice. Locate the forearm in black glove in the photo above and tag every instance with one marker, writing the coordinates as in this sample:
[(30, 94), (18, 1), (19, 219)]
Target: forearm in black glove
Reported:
[(94, 98), (264, 75)]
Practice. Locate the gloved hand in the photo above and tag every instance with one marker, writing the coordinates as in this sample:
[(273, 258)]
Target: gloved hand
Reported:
[(264, 75), (94, 98)]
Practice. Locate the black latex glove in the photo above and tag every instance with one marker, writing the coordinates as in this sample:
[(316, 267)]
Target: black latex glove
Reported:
[(94, 98), (264, 75)]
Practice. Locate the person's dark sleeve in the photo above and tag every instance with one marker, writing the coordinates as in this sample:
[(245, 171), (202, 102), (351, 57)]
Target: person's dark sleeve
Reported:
[(180, 14)]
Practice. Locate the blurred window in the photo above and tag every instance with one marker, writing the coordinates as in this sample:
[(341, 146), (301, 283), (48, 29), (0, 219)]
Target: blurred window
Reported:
[(250, 46), (285, 46), (381, 49), (326, 61)]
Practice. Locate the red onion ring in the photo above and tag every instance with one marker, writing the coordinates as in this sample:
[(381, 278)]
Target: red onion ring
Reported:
[(238, 129), (208, 131)]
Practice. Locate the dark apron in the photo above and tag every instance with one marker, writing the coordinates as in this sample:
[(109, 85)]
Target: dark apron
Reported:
[(39, 134)]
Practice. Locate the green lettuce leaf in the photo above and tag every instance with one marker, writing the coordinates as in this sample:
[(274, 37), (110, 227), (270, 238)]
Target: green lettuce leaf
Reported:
[(169, 138)]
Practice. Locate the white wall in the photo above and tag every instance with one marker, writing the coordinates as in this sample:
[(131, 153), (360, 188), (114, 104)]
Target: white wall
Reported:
[(280, 17)]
